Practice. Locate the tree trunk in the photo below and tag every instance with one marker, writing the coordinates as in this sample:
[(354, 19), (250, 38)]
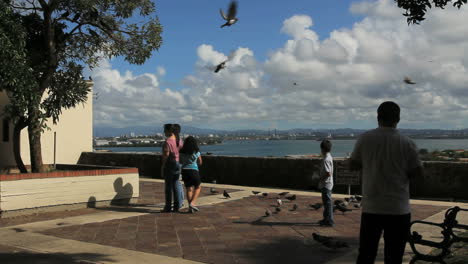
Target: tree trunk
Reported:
[(16, 145), (34, 132)]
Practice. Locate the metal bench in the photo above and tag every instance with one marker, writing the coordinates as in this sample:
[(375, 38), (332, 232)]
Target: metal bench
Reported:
[(450, 223)]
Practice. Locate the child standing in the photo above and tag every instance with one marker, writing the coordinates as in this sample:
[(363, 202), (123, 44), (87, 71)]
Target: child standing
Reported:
[(326, 183), (190, 159)]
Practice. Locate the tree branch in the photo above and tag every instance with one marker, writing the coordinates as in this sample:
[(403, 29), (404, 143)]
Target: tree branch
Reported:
[(25, 8)]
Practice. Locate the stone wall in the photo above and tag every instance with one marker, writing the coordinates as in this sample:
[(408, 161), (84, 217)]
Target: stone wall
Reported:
[(440, 180)]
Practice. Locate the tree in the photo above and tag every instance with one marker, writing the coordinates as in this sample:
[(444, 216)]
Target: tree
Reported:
[(416, 9), (15, 76), (62, 36)]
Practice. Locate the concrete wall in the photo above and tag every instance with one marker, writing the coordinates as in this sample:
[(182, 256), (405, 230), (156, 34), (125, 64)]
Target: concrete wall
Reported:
[(74, 135), (36, 190), (441, 179)]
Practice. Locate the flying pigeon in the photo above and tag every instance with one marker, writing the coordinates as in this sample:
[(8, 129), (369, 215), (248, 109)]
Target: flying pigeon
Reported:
[(283, 193), (329, 242), (226, 194), (294, 208), (408, 80), (291, 198), (279, 202), (231, 16), (255, 192), (316, 206), (295, 83), (267, 213), (220, 66), (213, 191)]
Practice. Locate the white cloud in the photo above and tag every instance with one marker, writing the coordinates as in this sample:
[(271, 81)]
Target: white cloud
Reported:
[(340, 79)]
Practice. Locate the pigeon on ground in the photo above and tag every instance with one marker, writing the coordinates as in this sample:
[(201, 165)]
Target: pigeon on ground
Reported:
[(341, 208), (337, 202), (267, 213), (213, 191), (265, 194), (231, 18), (407, 80), (255, 192), (329, 242), (357, 205), (316, 206), (358, 198), (283, 193), (295, 83), (279, 202), (291, 198), (277, 209), (294, 208), (226, 194), (220, 66)]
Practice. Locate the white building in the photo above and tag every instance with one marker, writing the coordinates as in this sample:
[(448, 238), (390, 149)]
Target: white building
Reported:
[(74, 135)]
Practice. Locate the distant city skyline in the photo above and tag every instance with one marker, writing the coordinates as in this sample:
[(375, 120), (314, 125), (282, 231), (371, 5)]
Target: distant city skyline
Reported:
[(321, 64), (150, 130)]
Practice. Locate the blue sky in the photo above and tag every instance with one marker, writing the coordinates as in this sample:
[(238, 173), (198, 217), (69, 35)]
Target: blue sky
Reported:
[(188, 24), (346, 57)]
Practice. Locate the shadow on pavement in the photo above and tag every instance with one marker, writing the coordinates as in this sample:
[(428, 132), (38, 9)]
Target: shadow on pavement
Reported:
[(287, 250), (51, 258)]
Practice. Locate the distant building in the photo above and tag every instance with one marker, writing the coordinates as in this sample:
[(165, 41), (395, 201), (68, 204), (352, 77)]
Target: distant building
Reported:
[(74, 135), (101, 142)]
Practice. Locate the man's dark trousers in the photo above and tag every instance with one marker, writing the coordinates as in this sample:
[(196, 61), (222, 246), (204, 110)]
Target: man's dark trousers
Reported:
[(396, 232)]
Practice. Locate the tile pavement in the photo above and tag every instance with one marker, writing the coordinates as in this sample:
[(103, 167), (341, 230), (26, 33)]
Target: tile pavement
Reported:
[(228, 232)]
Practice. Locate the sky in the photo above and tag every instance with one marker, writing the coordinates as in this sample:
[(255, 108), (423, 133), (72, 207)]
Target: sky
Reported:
[(304, 64)]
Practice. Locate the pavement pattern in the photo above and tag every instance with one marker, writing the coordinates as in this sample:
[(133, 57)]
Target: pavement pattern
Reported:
[(224, 231)]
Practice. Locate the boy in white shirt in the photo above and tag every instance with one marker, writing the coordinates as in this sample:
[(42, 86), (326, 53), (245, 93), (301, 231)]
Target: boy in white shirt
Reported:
[(326, 183)]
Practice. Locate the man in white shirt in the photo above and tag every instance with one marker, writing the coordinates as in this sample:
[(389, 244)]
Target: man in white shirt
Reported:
[(388, 161)]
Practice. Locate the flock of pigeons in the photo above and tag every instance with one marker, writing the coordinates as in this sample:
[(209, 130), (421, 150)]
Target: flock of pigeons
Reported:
[(340, 205), (231, 19)]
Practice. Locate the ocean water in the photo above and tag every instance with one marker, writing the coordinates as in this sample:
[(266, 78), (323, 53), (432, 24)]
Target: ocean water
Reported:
[(281, 148)]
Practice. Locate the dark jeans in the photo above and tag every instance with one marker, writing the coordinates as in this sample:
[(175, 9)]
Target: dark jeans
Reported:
[(396, 231), (327, 206), (173, 188)]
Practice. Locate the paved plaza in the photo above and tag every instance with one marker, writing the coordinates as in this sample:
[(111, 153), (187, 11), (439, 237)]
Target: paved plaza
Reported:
[(224, 231)]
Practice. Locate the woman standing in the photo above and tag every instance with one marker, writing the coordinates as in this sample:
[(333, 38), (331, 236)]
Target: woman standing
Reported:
[(177, 129), (190, 158), (170, 169)]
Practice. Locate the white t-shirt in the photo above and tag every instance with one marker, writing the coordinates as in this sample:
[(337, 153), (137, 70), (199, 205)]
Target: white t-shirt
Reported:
[(326, 166), (386, 157)]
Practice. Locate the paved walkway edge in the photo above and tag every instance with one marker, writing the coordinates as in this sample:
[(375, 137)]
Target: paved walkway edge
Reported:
[(101, 254)]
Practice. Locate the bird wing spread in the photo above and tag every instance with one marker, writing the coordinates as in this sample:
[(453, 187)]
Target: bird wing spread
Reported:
[(222, 14), (232, 10)]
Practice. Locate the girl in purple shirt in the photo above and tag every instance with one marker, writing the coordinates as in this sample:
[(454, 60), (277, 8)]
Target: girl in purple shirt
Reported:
[(170, 168)]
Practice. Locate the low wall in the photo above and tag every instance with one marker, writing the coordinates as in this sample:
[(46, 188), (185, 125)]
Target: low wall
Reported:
[(71, 185), (441, 179)]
